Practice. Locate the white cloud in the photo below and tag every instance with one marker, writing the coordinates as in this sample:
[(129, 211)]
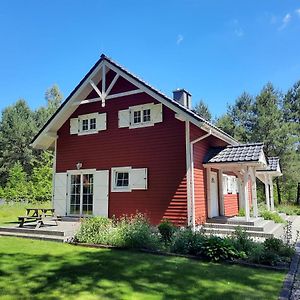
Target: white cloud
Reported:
[(297, 11), (285, 21), (239, 32), (237, 29), (179, 39)]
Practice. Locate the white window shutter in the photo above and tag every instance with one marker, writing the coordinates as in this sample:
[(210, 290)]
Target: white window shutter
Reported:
[(74, 126), (60, 194), (138, 179), (156, 113), (100, 200), (124, 118), (101, 121)]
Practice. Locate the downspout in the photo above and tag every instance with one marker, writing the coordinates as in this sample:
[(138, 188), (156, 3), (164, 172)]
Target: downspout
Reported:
[(192, 175)]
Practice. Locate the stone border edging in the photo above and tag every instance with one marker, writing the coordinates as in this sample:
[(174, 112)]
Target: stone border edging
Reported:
[(288, 283), (233, 262)]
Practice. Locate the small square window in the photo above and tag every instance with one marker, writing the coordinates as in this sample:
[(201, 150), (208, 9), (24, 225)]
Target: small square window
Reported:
[(85, 125), (137, 117), (122, 179), (147, 115), (93, 123)]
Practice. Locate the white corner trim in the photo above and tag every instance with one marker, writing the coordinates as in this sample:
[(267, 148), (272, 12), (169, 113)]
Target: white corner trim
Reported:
[(190, 208)]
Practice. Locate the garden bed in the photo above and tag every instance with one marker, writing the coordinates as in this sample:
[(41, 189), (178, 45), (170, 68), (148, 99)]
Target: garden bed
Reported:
[(135, 232)]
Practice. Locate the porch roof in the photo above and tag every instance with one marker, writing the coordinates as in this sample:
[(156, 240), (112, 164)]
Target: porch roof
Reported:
[(273, 167), (239, 154)]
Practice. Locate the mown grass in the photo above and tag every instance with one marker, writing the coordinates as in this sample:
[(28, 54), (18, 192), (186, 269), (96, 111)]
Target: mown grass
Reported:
[(9, 212), (43, 270)]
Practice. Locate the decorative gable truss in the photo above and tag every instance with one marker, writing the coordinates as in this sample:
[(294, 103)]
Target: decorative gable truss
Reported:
[(102, 83), (106, 91)]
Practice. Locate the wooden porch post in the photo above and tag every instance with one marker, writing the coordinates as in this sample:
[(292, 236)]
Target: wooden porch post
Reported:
[(241, 192), (221, 194), (254, 192), (267, 192), (245, 192), (271, 192), (208, 178)]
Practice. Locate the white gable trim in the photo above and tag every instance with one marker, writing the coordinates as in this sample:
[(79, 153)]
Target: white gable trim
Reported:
[(43, 141)]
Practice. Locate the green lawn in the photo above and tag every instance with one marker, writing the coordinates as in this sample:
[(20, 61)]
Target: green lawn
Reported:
[(43, 270), (9, 212)]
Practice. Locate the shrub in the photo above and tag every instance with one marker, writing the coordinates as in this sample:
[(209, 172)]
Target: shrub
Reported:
[(187, 242), (96, 230), (217, 249), (289, 209), (241, 241), (134, 232), (278, 246), (127, 232), (166, 230), (256, 254), (270, 215)]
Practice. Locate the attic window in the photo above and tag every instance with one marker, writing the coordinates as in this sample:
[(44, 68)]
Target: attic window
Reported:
[(88, 124)]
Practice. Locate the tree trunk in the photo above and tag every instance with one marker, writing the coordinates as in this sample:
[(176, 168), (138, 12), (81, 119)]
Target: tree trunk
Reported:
[(298, 194), (278, 190)]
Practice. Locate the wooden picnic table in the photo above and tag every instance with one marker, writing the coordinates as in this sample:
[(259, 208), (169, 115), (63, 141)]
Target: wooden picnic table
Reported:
[(40, 212), (38, 215)]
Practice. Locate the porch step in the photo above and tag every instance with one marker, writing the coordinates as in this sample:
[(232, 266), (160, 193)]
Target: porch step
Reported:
[(31, 231), (261, 226), (235, 221), (276, 230), (44, 237)]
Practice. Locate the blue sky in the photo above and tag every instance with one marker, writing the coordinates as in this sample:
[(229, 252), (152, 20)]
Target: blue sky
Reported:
[(215, 49)]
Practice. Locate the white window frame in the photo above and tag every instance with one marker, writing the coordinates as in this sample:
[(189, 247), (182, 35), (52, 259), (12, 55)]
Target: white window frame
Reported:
[(141, 108), (88, 117), (114, 172), (231, 184)]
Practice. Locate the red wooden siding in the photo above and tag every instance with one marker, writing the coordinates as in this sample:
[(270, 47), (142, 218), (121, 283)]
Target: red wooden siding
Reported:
[(231, 204), (200, 183), (160, 148)]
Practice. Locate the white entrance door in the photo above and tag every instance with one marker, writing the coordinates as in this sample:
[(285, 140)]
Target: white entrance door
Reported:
[(214, 195)]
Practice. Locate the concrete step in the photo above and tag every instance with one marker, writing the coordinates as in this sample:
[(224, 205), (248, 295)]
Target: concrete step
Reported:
[(242, 221), (250, 233), (32, 231), (59, 239), (278, 230), (263, 226)]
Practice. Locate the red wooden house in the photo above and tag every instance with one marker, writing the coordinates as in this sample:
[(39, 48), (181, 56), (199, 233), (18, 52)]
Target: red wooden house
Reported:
[(121, 146)]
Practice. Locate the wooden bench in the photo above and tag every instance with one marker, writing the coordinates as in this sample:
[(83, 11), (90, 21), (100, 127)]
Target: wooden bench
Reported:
[(24, 219)]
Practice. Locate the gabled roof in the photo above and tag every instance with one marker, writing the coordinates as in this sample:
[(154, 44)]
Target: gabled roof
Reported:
[(273, 167), (273, 163), (236, 154), (46, 136)]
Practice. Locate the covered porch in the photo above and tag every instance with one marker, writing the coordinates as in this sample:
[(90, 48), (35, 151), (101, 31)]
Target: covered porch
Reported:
[(236, 168)]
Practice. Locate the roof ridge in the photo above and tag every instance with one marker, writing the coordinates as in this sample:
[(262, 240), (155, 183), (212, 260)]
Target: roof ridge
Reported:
[(246, 145), (103, 56)]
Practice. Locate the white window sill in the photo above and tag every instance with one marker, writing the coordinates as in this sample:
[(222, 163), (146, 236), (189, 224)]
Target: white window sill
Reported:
[(87, 132), (120, 190), (141, 125)]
